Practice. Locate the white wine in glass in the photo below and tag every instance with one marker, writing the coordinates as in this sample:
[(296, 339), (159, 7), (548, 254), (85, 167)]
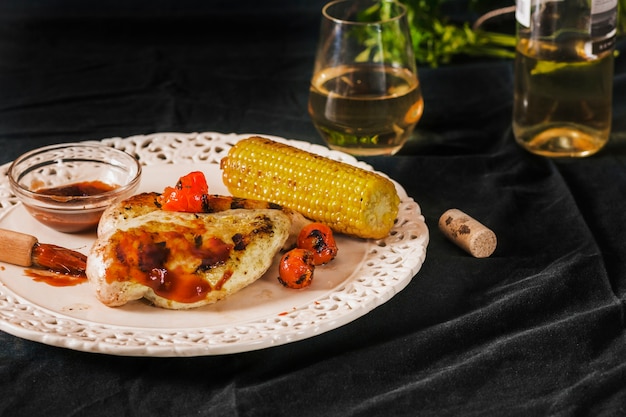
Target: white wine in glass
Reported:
[(365, 98)]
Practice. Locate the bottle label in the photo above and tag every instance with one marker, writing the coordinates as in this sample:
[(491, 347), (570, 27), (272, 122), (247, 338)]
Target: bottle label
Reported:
[(602, 21), (522, 12), (603, 25)]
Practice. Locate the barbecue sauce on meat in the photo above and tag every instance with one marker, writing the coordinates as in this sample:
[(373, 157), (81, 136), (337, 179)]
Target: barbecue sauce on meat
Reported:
[(172, 263)]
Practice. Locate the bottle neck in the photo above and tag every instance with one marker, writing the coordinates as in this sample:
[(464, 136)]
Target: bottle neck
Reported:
[(588, 27)]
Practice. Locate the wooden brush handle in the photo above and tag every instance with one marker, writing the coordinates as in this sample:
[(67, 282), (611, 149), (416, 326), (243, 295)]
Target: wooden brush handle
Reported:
[(16, 248)]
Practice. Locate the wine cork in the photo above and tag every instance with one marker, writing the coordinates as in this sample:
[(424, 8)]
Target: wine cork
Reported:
[(467, 233)]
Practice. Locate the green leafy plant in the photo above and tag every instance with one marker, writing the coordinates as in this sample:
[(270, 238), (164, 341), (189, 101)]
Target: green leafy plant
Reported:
[(389, 35), (437, 40)]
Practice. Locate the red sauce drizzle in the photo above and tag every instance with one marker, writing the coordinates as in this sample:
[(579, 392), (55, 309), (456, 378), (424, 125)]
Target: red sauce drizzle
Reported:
[(56, 279), (154, 260), (222, 281)]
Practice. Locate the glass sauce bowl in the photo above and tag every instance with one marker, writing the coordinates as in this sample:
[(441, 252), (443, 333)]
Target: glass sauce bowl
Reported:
[(68, 186)]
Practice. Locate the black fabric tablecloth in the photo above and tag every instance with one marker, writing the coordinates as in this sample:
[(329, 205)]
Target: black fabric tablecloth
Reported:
[(537, 329)]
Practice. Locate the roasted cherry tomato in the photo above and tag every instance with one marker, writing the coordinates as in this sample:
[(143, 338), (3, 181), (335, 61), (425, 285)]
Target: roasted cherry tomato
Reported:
[(296, 268), (319, 239), (188, 194)]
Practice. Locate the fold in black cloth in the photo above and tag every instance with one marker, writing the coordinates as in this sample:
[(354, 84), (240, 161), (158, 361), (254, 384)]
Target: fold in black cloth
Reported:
[(537, 329)]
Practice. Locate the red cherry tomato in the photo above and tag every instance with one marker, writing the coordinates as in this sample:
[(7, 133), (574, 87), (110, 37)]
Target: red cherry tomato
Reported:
[(319, 239), (188, 195), (296, 268)]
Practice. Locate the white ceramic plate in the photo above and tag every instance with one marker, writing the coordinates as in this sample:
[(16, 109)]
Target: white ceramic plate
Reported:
[(366, 274)]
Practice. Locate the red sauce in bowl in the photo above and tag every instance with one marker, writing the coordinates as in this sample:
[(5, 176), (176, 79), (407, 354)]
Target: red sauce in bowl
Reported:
[(73, 220), (79, 189)]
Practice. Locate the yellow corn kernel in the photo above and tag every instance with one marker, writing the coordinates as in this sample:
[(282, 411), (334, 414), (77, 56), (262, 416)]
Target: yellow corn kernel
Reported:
[(348, 199)]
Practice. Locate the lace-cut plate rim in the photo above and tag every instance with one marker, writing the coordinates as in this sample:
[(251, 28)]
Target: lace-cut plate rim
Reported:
[(366, 274)]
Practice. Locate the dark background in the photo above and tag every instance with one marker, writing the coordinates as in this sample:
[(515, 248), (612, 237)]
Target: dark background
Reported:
[(537, 329)]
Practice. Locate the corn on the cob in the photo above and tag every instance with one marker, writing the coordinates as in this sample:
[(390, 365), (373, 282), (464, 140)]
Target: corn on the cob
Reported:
[(349, 199)]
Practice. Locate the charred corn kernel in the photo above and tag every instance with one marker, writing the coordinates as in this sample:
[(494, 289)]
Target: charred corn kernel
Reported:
[(349, 199)]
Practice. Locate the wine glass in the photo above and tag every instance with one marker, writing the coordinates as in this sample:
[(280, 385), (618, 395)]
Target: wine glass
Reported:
[(365, 97)]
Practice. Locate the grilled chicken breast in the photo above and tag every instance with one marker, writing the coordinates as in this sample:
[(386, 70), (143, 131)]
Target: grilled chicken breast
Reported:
[(143, 203), (181, 260)]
